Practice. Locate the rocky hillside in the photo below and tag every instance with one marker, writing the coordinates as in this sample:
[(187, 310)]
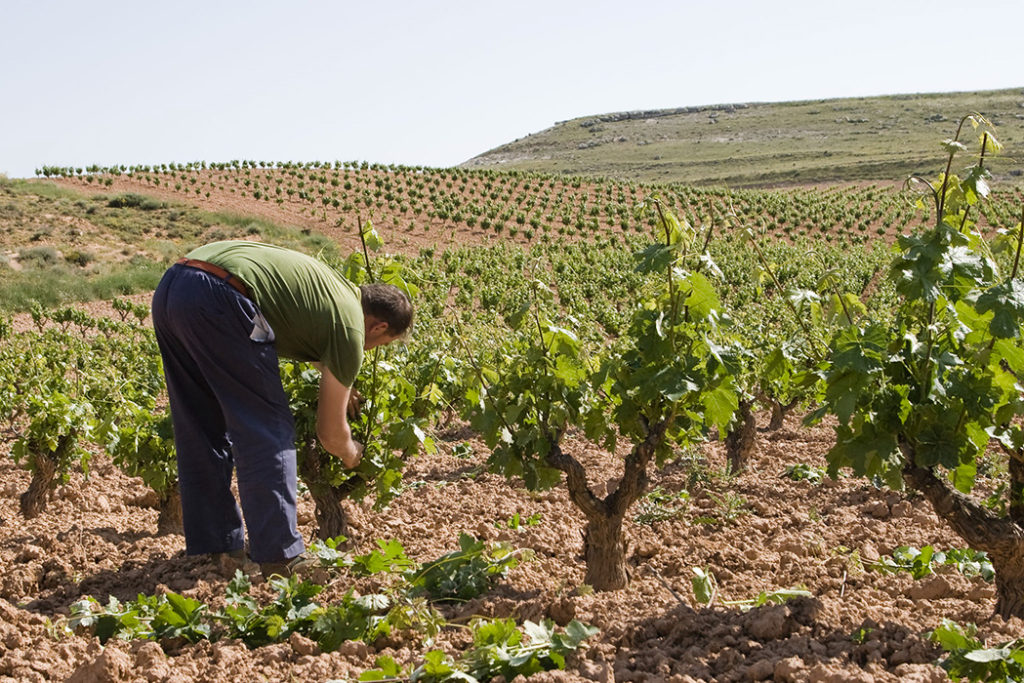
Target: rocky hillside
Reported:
[(770, 144)]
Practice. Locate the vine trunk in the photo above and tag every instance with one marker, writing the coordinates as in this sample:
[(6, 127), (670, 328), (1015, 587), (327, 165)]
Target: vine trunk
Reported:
[(779, 412), (331, 519), (742, 438), (605, 551), (44, 478), (1001, 537), (604, 543)]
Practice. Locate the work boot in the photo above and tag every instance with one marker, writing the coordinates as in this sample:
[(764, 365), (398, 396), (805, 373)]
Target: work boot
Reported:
[(303, 566), (228, 563)]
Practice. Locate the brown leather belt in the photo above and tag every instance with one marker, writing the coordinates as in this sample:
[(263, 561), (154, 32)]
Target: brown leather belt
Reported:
[(216, 271)]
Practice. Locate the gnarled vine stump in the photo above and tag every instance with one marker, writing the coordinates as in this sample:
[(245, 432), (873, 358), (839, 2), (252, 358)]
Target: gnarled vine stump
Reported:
[(741, 440)]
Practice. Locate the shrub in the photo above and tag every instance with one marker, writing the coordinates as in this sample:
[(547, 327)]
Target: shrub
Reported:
[(40, 257), (135, 201), (79, 258)]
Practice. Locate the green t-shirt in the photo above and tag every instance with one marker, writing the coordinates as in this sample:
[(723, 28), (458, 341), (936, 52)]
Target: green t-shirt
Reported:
[(315, 313)]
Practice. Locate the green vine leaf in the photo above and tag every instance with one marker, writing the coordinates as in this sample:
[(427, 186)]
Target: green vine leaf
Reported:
[(1006, 303)]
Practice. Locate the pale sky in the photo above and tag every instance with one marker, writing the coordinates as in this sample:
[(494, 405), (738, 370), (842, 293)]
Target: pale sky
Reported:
[(435, 83)]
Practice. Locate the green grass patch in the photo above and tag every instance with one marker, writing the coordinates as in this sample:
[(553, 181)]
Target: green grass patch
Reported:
[(232, 225), (41, 188), (60, 285)]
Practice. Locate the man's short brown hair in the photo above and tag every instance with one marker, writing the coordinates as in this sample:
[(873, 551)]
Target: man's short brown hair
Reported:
[(389, 304)]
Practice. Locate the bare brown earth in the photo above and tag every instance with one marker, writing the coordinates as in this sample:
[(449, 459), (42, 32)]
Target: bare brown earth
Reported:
[(98, 537), (339, 226)]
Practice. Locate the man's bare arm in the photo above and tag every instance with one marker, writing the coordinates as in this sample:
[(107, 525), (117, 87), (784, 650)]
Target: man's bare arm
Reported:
[(332, 428)]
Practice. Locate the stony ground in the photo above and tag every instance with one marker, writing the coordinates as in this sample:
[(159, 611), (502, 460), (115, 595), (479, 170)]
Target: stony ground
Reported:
[(98, 537)]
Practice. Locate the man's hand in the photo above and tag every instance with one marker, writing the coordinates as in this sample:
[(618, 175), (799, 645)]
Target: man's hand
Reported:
[(351, 457), (355, 403)]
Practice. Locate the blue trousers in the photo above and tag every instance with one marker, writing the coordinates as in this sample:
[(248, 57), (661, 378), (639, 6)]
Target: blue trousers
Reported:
[(230, 413)]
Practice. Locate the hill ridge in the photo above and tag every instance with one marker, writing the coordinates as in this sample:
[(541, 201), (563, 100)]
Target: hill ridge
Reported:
[(847, 139)]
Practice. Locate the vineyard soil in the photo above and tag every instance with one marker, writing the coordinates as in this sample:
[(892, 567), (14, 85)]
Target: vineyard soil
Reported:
[(406, 232), (755, 532), (340, 227)]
